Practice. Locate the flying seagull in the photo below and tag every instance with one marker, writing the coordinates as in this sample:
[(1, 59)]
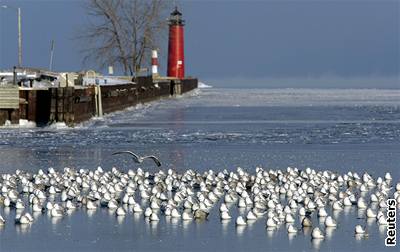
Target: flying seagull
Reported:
[(139, 159)]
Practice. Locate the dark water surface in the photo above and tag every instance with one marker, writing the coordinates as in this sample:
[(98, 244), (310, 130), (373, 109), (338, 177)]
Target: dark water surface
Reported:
[(340, 130)]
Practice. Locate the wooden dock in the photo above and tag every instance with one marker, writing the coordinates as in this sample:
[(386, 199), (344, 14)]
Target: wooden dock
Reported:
[(76, 104)]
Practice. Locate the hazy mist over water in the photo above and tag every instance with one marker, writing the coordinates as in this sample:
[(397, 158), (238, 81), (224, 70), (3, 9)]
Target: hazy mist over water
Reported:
[(312, 82)]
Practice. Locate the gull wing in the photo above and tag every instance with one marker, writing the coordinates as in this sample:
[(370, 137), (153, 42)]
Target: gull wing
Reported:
[(155, 159), (135, 156)]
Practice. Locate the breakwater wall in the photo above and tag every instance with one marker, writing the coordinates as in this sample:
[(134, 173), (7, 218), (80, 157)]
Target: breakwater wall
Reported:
[(76, 104)]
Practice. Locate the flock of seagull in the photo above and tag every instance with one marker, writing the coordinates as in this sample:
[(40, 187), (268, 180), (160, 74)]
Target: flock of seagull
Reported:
[(275, 196)]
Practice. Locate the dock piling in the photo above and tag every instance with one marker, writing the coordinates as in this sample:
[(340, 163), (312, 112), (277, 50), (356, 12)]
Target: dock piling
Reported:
[(100, 101), (60, 104)]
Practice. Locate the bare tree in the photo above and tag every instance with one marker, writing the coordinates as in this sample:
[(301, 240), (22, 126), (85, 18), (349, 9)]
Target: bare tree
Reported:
[(122, 32)]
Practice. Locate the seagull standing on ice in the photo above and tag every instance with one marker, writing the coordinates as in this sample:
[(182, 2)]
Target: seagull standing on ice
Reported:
[(138, 159)]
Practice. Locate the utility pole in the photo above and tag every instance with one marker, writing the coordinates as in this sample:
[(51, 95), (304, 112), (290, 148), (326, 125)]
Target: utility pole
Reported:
[(19, 32), (19, 39), (51, 55)]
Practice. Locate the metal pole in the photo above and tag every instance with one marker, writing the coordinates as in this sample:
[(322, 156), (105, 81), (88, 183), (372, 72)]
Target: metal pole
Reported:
[(19, 39), (51, 55)]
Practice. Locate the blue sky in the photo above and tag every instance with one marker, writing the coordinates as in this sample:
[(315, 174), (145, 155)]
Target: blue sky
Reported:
[(356, 42)]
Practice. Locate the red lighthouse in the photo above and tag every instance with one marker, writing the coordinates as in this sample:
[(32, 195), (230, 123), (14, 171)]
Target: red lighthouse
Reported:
[(176, 57)]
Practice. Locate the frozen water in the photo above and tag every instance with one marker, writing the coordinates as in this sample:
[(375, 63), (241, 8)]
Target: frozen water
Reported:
[(335, 129), (203, 85)]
